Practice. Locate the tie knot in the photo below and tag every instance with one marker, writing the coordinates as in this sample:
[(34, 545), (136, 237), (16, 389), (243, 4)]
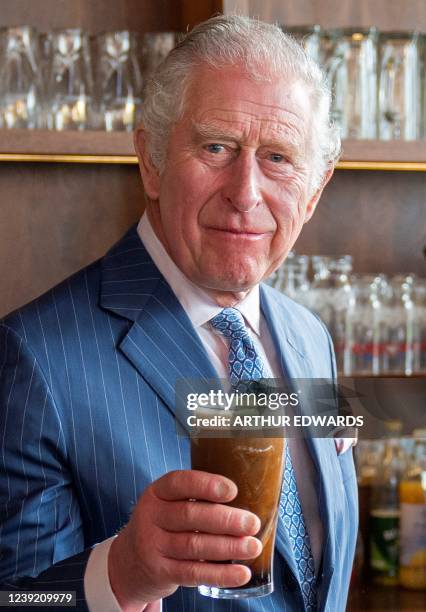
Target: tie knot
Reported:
[(230, 323)]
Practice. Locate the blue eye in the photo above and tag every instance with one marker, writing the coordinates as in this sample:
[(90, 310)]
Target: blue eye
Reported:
[(276, 157), (214, 148)]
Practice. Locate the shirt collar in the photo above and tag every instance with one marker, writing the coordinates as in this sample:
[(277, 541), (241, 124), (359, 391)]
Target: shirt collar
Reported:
[(198, 304)]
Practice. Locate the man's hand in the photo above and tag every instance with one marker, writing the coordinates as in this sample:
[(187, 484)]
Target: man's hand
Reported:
[(168, 536)]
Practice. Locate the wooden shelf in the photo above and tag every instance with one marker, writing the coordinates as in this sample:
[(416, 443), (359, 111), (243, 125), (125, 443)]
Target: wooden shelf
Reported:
[(383, 155), (77, 147), (117, 148)]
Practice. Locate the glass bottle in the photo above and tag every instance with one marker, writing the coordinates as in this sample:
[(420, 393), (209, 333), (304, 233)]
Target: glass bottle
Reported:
[(384, 512), (412, 494), (367, 456), (330, 297)]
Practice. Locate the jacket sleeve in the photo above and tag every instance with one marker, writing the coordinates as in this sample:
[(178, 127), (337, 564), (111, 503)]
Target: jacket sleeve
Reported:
[(41, 534)]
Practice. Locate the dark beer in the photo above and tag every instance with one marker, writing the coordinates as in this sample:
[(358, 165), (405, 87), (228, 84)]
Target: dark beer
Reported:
[(256, 466)]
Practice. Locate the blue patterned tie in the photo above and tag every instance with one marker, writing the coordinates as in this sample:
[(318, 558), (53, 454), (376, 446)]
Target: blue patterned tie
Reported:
[(291, 514), (246, 365)]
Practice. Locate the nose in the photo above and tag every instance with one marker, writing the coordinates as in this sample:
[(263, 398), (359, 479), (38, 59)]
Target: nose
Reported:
[(242, 189)]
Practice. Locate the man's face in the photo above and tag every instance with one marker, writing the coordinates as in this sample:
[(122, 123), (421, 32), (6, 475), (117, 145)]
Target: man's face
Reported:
[(233, 196)]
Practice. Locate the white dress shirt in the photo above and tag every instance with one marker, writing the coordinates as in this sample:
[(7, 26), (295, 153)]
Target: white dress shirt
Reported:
[(200, 308)]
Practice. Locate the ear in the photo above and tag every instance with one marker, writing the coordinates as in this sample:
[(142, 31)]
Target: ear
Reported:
[(149, 173), (312, 204)]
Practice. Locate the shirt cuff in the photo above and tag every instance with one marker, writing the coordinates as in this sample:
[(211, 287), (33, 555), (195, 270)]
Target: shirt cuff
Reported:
[(97, 588)]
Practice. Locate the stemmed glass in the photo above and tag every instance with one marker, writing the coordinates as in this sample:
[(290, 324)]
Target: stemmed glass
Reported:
[(20, 84), (118, 81), (70, 83)]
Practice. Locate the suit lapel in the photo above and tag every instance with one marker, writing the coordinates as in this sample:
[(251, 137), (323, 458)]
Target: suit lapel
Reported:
[(164, 346), (161, 342), (295, 364)]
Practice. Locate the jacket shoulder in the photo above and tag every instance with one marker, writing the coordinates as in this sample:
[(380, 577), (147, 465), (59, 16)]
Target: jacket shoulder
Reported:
[(42, 316)]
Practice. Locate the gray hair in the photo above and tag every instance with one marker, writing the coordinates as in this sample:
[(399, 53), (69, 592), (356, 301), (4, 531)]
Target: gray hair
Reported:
[(264, 51)]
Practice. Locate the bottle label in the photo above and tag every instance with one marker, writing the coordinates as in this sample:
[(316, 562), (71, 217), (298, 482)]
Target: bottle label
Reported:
[(384, 541), (413, 535)]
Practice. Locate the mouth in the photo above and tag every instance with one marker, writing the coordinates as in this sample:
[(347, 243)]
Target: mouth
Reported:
[(242, 234)]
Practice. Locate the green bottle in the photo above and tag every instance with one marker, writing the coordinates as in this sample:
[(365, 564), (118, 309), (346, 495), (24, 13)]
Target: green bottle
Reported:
[(385, 514)]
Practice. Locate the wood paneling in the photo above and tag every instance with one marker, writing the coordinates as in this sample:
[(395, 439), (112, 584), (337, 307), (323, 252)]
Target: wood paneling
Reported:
[(385, 14), (377, 217), (56, 218), (392, 150), (93, 15), (74, 143), (100, 15), (194, 11)]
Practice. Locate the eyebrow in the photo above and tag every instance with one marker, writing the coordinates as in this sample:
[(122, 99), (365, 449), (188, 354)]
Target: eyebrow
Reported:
[(210, 131), (207, 131)]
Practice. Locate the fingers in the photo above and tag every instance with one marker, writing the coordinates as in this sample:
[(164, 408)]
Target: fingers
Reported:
[(204, 546), (194, 573), (194, 484), (205, 517)]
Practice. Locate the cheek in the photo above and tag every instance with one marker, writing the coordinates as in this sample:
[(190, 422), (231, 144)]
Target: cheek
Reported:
[(289, 213), (291, 205)]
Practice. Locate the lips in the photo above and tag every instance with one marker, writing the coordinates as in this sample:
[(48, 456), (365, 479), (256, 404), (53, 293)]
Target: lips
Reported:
[(237, 236), (238, 231)]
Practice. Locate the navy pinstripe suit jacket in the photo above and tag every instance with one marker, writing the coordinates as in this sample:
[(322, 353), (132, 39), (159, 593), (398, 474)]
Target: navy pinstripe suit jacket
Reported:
[(87, 375)]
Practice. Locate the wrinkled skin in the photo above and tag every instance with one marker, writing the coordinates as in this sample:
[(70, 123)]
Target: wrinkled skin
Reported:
[(234, 194)]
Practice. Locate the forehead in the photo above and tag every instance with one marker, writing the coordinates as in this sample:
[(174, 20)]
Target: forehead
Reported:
[(229, 99)]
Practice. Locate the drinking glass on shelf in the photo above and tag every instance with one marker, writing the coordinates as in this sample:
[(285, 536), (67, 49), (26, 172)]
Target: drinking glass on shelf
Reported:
[(400, 350), (118, 81), (20, 85), (419, 299), (351, 66), (331, 295), (365, 328), (399, 86), (70, 83)]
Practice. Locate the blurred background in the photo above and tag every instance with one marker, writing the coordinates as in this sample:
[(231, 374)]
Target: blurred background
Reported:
[(72, 80)]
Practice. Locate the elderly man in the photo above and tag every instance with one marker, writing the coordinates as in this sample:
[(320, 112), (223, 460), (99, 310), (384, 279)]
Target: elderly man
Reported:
[(234, 152)]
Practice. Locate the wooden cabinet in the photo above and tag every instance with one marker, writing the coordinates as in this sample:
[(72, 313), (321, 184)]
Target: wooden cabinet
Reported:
[(66, 197)]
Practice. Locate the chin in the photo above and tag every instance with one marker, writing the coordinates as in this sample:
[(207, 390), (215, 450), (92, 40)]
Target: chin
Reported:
[(232, 279)]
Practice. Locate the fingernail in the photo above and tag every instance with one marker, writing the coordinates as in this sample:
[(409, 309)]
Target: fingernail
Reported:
[(242, 577), (252, 547), (249, 522), (222, 489)]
